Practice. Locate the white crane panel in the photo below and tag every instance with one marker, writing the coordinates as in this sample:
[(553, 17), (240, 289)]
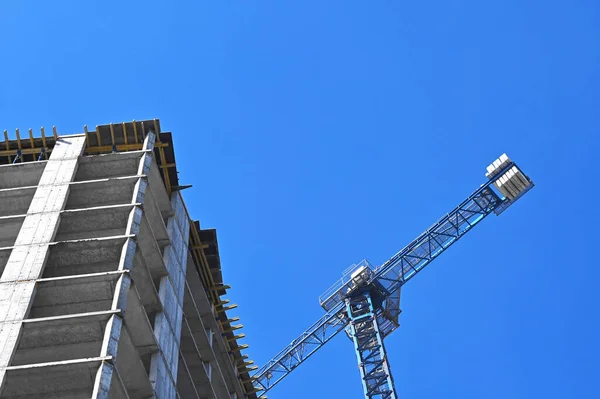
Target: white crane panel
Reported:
[(502, 187), (512, 182), (497, 165)]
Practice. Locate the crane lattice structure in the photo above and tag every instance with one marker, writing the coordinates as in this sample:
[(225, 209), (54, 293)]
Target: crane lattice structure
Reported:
[(366, 301)]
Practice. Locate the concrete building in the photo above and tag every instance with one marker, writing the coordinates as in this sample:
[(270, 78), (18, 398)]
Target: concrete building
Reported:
[(108, 288)]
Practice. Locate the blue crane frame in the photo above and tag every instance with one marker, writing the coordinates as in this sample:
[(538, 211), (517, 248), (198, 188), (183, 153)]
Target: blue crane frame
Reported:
[(363, 328), (390, 277)]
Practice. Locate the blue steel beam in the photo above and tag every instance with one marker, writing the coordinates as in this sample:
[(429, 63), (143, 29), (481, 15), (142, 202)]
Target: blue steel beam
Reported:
[(300, 349), (389, 277), (394, 273)]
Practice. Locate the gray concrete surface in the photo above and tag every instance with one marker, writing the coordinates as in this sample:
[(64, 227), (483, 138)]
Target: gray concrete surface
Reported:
[(26, 261), (99, 297)]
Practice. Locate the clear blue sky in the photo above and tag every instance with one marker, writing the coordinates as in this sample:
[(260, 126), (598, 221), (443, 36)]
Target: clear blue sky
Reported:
[(319, 133)]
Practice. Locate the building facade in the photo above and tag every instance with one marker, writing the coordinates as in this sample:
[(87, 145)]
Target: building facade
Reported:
[(108, 287)]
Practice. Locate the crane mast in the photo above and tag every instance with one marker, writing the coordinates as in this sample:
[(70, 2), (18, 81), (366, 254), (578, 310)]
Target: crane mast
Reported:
[(365, 302)]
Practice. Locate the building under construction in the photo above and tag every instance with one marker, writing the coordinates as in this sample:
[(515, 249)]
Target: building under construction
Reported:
[(109, 288)]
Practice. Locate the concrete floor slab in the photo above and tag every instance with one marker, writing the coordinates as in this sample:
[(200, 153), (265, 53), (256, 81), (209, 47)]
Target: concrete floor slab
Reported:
[(117, 389), (224, 363), (138, 324), (145, 285), (160, 192), (155, 218), (197, 329), (195, 290), (150, 250), (195, 339), (132, 371), (194, 361)]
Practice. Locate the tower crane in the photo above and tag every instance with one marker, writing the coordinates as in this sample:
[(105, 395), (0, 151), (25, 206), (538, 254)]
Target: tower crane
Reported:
[(365, 302)]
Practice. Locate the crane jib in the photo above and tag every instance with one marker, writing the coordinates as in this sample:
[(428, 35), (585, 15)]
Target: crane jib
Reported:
[(391, 275), (437, 224), (409, 261)]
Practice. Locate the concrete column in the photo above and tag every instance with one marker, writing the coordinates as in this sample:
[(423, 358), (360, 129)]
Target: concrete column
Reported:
[(112, 334), (27, 259), (110, 343)]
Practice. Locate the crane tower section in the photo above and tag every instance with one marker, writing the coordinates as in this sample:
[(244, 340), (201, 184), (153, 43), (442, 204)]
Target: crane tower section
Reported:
[(365, 302)]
